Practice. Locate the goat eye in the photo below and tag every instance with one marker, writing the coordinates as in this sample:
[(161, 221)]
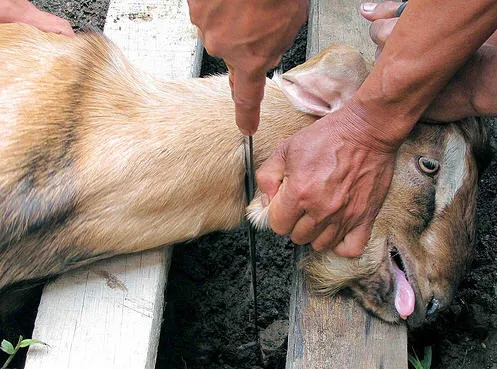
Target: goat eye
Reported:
[(428, 165)]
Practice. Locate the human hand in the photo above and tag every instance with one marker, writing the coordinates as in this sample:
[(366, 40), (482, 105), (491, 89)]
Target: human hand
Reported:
[(326, 184), (250, 36), (22, 11), (469, 93)]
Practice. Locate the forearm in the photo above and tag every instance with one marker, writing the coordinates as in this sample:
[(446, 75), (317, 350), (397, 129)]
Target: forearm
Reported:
[(419, 59), (484, 90)]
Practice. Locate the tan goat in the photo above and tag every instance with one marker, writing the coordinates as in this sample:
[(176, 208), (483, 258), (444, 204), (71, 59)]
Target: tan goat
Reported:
[(97, 159)]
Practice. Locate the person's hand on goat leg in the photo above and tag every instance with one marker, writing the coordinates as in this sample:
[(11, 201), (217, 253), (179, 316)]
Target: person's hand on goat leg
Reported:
[(22, 11), (250, 36), (472, 90), (325, 184)]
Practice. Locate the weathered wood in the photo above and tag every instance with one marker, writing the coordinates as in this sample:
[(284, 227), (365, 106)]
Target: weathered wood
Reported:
[(109, 314), (328, 333), (336, 22)]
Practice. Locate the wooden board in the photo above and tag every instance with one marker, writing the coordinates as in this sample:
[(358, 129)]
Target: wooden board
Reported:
[(335, 22), (328, 333), (109, 314)]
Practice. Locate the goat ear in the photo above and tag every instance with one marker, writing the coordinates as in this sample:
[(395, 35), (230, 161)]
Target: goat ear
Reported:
[(326, 81)]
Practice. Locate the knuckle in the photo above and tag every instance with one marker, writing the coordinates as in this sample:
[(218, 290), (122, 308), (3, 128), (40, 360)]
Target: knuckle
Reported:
[(261, 175), (322, 217), (248, 102), (380, 30), (213, 45), (297, 239), (318, 245), (384, 31), (304, 193), (353, 251), (278, 229), (373, 32), (391, 6)]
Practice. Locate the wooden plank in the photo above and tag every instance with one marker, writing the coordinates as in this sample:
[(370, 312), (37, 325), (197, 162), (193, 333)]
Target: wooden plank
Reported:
[(336, 22), (337, 332), (108, 315)]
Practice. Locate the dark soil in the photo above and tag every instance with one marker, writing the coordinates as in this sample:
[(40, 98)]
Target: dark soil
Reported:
[(208, 318)]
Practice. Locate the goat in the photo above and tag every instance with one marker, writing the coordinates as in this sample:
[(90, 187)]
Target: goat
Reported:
[(98, 159)]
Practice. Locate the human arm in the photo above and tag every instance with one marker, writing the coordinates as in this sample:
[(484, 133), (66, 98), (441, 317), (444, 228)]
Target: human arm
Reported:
[(328, 189), (418, 60), (22, 11), (471, 91), (250, 36)]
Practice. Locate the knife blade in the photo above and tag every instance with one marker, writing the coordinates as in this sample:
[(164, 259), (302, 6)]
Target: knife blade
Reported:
[(249, 192), (400, 9)]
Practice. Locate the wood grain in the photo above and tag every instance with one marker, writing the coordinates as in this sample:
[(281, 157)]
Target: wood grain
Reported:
[(328, 333), (335, 22), (109, 314)]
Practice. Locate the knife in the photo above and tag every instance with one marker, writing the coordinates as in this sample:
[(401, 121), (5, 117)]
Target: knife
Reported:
[(249, 192), (400, 9)]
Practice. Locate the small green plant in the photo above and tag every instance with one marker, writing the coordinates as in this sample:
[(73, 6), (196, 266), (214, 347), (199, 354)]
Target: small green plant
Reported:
[(421, 364), (10, 350)]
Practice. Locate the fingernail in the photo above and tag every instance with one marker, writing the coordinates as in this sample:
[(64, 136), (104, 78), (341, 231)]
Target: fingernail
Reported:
[(265, 200), (368, 7)]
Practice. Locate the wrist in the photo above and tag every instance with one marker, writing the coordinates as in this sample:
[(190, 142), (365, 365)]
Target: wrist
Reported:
[(390, 100), (383, 119), (359, 123)]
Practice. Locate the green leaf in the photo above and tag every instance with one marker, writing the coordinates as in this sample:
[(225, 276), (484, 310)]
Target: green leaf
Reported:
[(29, 341), (418, 364), (427, 359), (413, 359), (7, 347)]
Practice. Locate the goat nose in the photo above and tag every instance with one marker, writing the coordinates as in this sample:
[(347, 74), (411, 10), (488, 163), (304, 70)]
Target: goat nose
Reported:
[(432, 309)]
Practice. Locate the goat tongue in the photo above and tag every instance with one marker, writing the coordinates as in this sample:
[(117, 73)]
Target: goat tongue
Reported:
[(404, 295)]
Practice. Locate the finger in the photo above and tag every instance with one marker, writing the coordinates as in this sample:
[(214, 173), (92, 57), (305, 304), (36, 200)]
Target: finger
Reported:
[(380, 30), (249, 90), (271, 173), (306, 230), (375, 11), (325, 241), (354, 242), (51, 23), (63, 27), (283, 210), (283, 213)]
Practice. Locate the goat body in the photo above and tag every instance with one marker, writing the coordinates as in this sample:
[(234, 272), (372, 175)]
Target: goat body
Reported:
[(98, 159)]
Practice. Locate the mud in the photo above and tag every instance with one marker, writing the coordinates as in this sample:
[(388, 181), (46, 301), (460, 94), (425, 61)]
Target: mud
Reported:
[(208, 318)]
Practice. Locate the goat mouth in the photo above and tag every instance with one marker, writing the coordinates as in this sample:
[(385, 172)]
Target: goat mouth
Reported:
[(405, 298)]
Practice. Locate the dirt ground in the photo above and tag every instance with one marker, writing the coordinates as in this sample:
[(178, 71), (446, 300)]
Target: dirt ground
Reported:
[(208, 322)]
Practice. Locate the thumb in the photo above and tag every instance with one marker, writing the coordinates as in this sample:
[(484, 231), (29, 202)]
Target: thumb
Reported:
[(271, 173), (374, 11), (248, 90)]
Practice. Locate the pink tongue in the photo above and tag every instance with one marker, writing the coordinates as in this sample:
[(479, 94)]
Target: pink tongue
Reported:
[(404, 295)]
